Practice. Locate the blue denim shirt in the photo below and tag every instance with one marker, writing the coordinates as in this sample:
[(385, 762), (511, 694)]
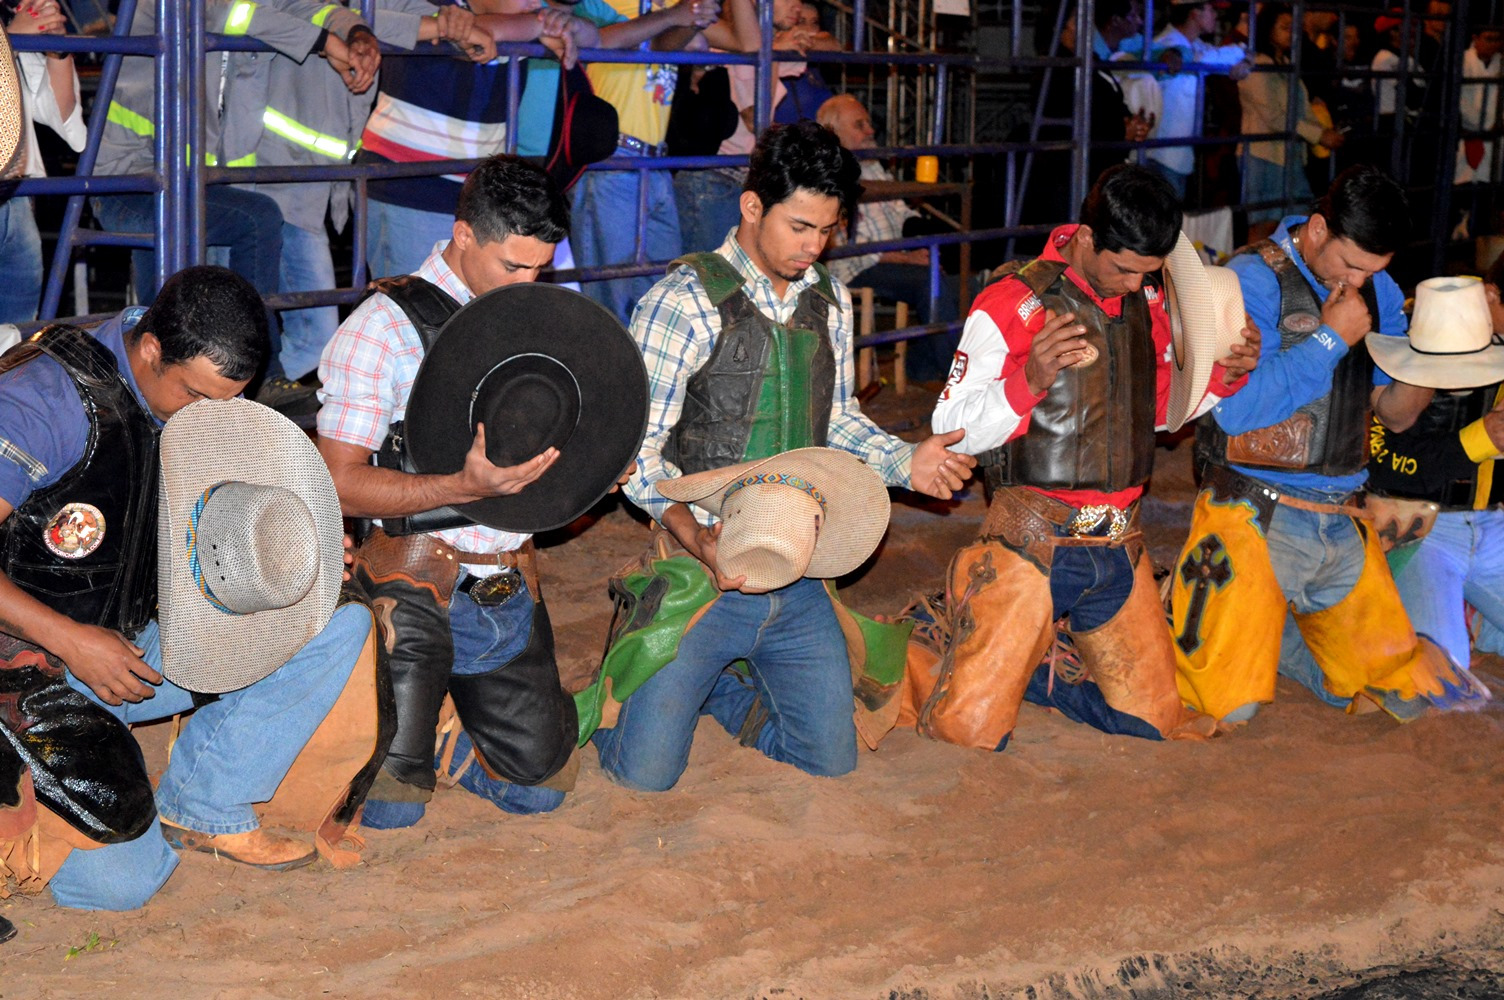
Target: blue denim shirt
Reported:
[(1284, 381), (43, 426)]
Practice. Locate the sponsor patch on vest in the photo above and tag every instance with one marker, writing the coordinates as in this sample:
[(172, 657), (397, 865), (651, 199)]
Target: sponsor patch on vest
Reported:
[(1151, 294), (1301, 322), (1029, 306), (75, 531)]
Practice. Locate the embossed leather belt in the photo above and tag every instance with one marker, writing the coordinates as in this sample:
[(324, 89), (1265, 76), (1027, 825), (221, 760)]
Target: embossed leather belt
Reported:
[(1092, 524)]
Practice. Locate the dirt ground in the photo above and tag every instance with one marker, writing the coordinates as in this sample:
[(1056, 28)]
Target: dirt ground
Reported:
[(1281, 861)]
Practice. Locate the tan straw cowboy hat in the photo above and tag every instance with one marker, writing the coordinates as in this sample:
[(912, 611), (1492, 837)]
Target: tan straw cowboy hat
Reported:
[(813, 512), (1206, 319), (1451, 344), (12, 139), (250, 549)]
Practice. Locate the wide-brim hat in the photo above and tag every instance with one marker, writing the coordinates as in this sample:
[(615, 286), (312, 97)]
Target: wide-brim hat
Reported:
[(814, 512), (540, 366), (250, 544), (12, 135), (585, 129), (1205, 304), (1451, 343)]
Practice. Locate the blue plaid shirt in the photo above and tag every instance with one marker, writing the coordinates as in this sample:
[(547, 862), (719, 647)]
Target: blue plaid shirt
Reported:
[(676, 327)]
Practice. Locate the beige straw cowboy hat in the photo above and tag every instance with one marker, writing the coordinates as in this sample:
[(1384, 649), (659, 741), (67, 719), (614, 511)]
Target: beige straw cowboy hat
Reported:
[(1451, 344), (12, 139), (814, 512), (1206, 319), (250, 549)]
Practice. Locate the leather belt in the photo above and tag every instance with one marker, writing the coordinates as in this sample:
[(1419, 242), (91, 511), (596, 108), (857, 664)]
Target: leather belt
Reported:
[(637, 147), (1234, 485), (1121, 523)]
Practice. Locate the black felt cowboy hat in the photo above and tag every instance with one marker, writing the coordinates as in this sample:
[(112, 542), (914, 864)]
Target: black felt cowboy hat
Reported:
[(540, 366)]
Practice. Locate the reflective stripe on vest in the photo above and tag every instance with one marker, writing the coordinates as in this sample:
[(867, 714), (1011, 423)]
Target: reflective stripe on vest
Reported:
[(301, 135), (323, 15), (130, 121), (239, 20)]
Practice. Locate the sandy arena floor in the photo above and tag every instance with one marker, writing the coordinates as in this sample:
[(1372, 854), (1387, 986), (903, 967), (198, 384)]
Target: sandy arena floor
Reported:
[(1277, 862)]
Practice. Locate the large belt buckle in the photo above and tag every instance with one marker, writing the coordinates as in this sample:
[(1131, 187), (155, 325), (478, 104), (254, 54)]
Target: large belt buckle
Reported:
[(1092, 517), (495, 589)]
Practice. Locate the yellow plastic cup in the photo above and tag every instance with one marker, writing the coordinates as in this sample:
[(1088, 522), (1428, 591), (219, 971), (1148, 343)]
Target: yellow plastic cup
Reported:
[(927, 169)]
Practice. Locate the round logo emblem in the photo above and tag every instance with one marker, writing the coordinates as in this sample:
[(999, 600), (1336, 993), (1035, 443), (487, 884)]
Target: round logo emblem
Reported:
[(1301, 322), (75, 531), (1085, 356)]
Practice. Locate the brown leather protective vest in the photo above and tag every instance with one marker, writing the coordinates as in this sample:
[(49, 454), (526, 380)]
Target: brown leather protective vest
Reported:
[(1327, 436), (115, 585), (1094, 429), (729, 414)]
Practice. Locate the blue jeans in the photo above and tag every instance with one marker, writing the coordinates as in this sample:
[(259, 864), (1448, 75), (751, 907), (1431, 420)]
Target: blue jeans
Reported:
[(20, 262), (709, 206), (605, 232), (399, 239), (484, 638), (247, 222), (1091, 583), (307, 266), (1317, 559), (233, 753), (1461, 559), (797, 664)]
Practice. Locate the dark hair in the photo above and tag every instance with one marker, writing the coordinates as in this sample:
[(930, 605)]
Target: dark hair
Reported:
[(505, 196), (208, 312), (803, 155), (1367, 206), (1262, 42), (1132, 208), (1181, 12), (1495, 275), (1106, 10)]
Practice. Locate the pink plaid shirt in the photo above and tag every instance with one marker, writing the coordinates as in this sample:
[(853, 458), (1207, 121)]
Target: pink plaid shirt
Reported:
[(368, 370)]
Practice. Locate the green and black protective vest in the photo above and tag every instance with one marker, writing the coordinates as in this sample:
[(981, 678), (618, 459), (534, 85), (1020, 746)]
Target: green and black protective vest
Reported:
[(1327, 436), (113, 584), (1094, 429), (767, 387)]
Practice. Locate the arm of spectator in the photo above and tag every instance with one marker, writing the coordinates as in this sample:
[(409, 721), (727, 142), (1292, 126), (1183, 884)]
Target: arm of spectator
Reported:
[(50, 85), (686, 20), (737, 30)]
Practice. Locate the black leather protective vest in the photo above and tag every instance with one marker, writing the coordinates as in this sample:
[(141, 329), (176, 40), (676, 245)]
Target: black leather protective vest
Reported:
[(114, 584), (427, 307), (1094, 429), (1327, 436), (766, 388)]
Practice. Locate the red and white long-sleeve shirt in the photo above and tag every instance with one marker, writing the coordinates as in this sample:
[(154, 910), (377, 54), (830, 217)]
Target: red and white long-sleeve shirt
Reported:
[(988, 393)]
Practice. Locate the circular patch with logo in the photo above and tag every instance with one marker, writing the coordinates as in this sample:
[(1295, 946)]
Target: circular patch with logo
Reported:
[(1301, 322), (75, 531), (1085, 356)]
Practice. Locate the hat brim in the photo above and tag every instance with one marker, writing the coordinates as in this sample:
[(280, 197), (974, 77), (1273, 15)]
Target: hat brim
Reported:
[(856, 501), (1206, 317), (584, 338), (1397, 359), (216, 441)]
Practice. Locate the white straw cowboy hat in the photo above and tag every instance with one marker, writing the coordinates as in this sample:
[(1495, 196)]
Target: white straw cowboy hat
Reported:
[(250, 545), (12, 138), (1206, 319), (813, 512), (1451, 344)]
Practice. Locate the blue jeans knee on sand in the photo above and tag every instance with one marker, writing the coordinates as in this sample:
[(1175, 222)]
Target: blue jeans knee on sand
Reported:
[(233, 753), (797, 657), (484, 639)]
